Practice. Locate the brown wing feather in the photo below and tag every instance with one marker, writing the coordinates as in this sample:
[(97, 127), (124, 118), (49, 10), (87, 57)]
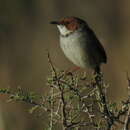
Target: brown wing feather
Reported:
[(97, 50)]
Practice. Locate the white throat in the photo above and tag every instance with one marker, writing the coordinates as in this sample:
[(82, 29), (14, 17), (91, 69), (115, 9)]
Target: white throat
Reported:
[(63, 30)]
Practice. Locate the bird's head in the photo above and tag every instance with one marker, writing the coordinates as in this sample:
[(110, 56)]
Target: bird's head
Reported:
[(69, 25)]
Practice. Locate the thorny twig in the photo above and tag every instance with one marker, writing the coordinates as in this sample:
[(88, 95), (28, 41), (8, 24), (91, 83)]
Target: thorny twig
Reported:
[(67, 104), (109, 116), (64, 116), (52, 108), (18, 96), (127, 119)]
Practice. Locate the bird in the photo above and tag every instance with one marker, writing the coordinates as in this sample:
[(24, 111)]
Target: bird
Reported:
[(80, 44)]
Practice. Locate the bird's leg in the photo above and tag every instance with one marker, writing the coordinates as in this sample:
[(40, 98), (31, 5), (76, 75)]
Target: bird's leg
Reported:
[(72, 70)]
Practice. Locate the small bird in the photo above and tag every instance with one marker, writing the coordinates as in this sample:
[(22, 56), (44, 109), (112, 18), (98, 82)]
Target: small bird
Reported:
[(80, 44)]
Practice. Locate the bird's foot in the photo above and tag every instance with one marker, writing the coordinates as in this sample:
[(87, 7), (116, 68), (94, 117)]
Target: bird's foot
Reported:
[(72, 70)]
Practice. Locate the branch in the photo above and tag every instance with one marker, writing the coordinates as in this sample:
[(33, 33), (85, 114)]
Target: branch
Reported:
[(21, 96), (107, 114), (127, 118)]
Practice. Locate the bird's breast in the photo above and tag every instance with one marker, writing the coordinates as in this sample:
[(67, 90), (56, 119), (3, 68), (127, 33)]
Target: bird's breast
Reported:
[(74, 47)]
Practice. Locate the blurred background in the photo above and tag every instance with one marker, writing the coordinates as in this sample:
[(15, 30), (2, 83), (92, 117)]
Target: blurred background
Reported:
[(26, 35)]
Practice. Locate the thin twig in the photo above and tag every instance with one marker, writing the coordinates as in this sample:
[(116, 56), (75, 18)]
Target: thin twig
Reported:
[(127, 118), (26, 100), (126, 123), (64, 116), (52, 108)]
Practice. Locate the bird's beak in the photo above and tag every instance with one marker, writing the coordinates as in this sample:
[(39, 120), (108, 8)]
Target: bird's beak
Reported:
[(55, 22)]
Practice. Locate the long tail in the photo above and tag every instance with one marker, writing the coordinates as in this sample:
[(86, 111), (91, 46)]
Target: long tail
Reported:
[(98, 80), (97, 70), (98, 77)]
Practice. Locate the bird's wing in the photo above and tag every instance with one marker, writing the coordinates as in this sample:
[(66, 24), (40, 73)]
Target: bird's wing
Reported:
[(97, 50)]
